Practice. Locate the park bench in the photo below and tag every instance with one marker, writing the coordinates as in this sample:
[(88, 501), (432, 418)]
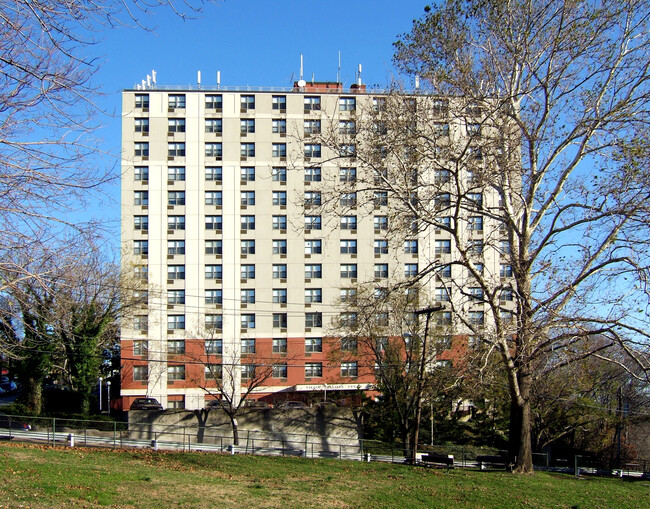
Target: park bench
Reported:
[(431, 459), (487, 461)]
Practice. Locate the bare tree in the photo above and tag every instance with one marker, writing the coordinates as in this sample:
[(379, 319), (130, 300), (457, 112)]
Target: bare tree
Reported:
[(51, 160)]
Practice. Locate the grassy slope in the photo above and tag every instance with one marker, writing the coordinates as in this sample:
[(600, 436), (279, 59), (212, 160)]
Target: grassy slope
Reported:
[(38, 476)]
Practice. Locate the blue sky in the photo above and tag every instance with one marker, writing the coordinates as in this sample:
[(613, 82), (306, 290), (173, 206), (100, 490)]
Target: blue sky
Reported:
[(252, 42)]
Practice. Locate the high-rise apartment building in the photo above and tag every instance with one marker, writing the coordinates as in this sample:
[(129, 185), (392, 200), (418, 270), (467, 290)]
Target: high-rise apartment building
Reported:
[(247, 268)]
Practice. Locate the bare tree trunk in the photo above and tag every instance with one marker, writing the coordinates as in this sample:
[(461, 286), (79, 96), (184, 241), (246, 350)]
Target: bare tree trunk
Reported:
[(521, 447), (235, 430), (33, 395)]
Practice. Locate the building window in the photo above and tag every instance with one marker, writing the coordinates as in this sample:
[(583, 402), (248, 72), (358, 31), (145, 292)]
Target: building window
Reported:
[(313, 271), (248, 322), (175, 296), (279, 174), (445, 272), (476, 318), (505, 270), (247, 174), (213, 102), (347, 104), (279, 222), (475, 223), (279, 345), (247, 371), (380, 199), (176, 101), (506, 295), (280, 247), (443, 318), (349, 344), (213, 222), (476, 293), (142, 101), (312, 150), (349, 223), (247, 125), (349, 369), (348, 319), (443, 246), (348, 200), (442, 294), (441, 129), (141, 173), (213, 371), (214, 322), (141, 272), (247, 198), (213, 346), (313, 369), (214, 198), (279, 102), (348, 150), (312, 103), (475, 199), (280, 320), (347, 127), (247, 222), (176, 272), (279, 295), (247, 271), (410, 269), (141, 323), (279, 126), (313, 246), (175, 322), (411, 246), (348, 270), (248, 296), (279, 198), (279, 150), (176, 372), (313, 345), (381, 270), (213, 173), (175, 222), (314, 319), (381, 246), (348, 174), (213, 150), (213, 125), (176, 125), (247, 102), (247, 150), (380, 222), (141, 125), (279, 370), (348, 246), (141, 223), (313, 295), (443, 200), (176, 149), (175, 197), (247, 247), (140, 348), (141, 149), (348, 294), (475, 247), (312, 126), (140, 373), (176, 346), (213, 271), (312, 174), (313, 223), (214, 296), (213, 247), (176, 173), (279, 271)]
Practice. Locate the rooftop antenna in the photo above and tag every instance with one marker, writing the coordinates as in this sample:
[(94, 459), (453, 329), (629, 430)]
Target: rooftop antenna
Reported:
[(218, 79), (148, 81), (359, 79), (144, 84), (338, 73), (417, 82), (198, 78), (312, 77), (153, 77), (301, 66)]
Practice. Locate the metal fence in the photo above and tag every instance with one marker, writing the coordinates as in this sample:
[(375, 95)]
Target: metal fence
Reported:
[(89, 433)]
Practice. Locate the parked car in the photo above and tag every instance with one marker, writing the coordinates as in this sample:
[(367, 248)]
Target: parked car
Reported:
[(146, 404), (8, 387), (327, 404), (256, 403), (291, 404), (217, 403), (10, 422)]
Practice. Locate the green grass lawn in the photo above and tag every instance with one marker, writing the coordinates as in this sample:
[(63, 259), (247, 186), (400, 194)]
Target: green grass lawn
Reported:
[(40, 476)]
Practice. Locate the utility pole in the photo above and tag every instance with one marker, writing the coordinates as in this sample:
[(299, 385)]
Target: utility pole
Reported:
[(421, 374)]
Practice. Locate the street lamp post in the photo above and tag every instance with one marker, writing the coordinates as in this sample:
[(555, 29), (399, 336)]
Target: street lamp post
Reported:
[(325, 392), (100, 394), (108, 396)]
